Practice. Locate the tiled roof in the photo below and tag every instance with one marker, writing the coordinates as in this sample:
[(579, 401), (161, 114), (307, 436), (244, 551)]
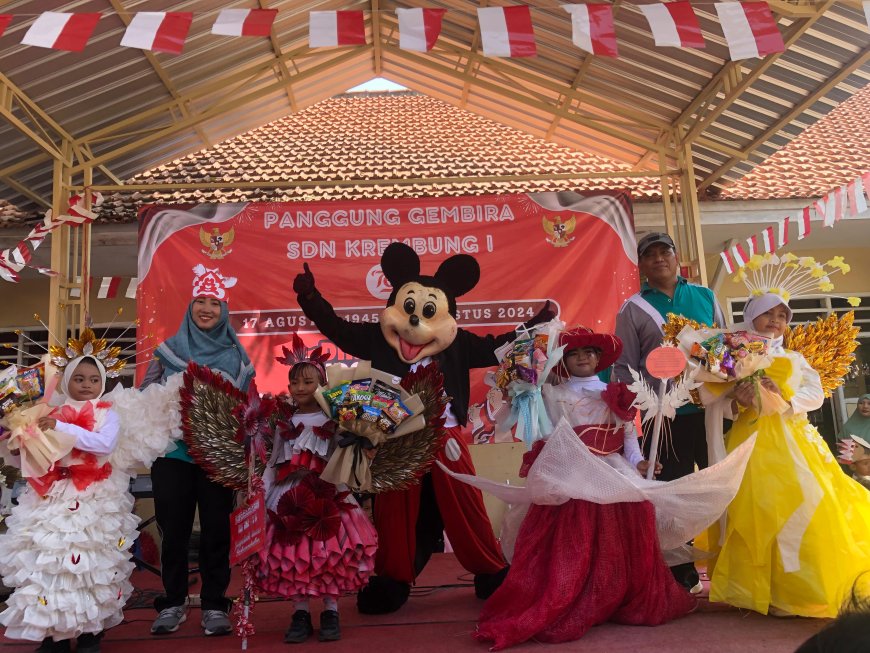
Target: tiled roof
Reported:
[(828, 154), (379, 136), (11, 215)]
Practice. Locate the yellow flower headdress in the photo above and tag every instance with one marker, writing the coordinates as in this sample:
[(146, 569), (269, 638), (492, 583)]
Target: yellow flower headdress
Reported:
[(790, 276), (87, 344)]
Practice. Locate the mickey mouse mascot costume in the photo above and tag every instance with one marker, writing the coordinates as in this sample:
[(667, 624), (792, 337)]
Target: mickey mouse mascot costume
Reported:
[(418, 326)]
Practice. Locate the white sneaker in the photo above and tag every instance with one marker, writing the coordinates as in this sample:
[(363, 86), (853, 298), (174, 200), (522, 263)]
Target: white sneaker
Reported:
[(169, 620)]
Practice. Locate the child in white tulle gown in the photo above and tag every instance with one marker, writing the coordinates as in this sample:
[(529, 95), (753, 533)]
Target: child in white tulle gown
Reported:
[(66, 551)]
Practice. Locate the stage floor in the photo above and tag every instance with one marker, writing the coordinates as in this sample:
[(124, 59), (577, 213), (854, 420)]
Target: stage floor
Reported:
[(440, 616)]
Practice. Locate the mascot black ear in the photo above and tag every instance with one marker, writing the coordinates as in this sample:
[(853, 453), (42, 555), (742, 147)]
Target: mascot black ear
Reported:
[(458, 274), (400, 264)]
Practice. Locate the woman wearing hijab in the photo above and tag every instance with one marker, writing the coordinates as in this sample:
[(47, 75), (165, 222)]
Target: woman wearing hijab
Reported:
[(859, 423), (797, 534), (180, 485)]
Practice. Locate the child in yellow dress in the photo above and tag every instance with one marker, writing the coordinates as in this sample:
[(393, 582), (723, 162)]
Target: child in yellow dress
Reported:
[(797, 535)]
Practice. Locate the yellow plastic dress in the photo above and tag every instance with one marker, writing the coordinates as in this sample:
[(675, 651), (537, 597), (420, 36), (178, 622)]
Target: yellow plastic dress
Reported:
[(797, 534)]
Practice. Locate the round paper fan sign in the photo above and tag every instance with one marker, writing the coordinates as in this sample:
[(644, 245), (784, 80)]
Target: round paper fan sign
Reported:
[(665, 362)]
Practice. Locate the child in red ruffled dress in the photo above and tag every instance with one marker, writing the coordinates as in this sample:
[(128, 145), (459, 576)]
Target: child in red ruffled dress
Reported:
[(319, 541), (581, 563)]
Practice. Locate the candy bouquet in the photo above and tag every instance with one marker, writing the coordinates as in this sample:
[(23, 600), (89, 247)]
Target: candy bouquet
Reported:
[(724, 359), (524, 366), (369, 407)]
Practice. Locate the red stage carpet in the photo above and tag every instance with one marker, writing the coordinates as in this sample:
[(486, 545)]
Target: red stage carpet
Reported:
[(440, 617)]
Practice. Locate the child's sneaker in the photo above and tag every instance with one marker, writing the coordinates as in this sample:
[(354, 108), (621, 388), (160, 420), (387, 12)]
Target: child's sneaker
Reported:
[(215, 622), (330, 631), (169, 620), (300, 628), (88, 643), (48, 645)]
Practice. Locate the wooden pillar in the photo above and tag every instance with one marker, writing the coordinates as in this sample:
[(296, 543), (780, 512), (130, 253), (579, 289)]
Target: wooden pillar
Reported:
[(691, 214), (58, 296)]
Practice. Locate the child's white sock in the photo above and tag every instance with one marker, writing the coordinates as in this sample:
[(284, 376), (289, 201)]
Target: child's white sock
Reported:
[(301, 604), (330, 603)]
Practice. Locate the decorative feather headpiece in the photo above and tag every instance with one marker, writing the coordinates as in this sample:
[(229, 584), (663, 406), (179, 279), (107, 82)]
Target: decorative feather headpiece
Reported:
[(301, 354), (790, 276), (87, 344)]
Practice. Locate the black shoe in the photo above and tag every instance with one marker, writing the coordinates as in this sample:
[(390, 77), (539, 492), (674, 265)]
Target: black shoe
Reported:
[(485, 585), (300, 628), (687, 576), (382, 595), (330, 631), (88, 643), (50, 646)]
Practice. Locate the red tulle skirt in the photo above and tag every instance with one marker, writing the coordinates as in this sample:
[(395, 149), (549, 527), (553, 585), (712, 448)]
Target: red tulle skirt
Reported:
[(578, 565)]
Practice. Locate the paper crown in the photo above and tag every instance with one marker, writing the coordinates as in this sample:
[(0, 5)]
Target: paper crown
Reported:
[(853, 449), (790, 276), (300, 354), (211, 283), (87, 344)]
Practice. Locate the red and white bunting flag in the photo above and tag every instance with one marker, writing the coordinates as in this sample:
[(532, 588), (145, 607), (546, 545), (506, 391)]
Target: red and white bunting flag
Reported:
[(857, 201), (158, 31), (507, 31), (752, 245), (674, 24), (739, 255), (592, 28), (839, 200), (782, 235), (109, 288), (244, 22), (328, 29), (77, 208), (61, 31), (749, 29), (419, 28), (132, 287), (804, 227), (5, 19), (727, 261), (767, 239)]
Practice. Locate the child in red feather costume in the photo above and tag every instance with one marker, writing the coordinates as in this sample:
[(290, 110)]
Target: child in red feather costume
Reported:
[(581, 563), (320, 543)]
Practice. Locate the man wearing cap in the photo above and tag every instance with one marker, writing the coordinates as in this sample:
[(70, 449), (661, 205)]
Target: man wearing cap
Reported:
[(639, 326)]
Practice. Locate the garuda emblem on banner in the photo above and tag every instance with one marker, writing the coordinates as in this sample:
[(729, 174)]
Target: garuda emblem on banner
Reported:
[(217, 244), (559, 233)]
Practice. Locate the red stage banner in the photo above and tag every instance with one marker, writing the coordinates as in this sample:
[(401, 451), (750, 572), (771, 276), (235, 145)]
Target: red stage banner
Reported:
[(575, 250), (247, 530)]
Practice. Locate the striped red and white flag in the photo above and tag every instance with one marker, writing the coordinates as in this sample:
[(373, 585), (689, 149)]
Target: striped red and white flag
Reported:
[(674, 24), (109, 288), (804, 227), (61, 31), (592, 28), (855, 193), (327, 29), (750, 29), (244, 22), (5, 19), (782, 232), (767, 239), (158, 31), (839, 200), (132, 287), (419, 28), (752, 245), (507, 31), (739, 255), (727, 261)]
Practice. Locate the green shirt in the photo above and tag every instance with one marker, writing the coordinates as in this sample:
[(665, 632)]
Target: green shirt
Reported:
[(689, 300)]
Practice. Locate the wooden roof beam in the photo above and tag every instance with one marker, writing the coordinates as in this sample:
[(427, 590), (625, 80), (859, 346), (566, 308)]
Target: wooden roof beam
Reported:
[(216, 109), (18, 187), (39, 127), (283, 71), (119, 8), (377, 63), (788, 117), (731, 81)]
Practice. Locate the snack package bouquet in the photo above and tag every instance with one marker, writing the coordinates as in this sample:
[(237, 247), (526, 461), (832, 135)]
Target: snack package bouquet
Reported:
[(723, 359), (369, 407), (20, 388), (524, 366)]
